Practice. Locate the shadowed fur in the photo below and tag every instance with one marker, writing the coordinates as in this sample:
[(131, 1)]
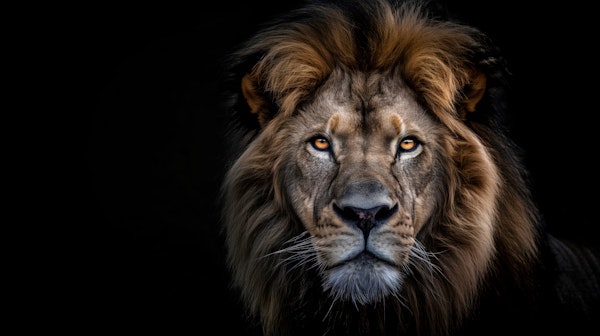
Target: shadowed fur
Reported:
[(371, 187)]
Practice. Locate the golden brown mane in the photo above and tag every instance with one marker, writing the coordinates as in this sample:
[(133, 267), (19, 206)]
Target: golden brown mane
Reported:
[(434, 56)]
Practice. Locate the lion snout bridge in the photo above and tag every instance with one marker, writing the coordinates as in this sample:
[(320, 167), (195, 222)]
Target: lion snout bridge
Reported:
[(365, 204)]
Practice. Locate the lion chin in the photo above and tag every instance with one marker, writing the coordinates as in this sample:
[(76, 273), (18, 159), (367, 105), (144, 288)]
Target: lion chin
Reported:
[(363, 279)]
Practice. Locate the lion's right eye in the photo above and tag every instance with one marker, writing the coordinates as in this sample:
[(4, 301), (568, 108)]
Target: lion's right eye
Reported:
[(320, 143), (407, 145)]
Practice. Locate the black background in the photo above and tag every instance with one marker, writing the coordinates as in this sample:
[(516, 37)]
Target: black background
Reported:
[(151, 253)]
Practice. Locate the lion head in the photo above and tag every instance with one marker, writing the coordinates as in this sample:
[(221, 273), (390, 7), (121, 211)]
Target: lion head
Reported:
[(371, 189)]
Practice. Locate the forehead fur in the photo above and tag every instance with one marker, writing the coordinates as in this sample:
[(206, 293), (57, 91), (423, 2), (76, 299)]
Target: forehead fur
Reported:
[(298, 53)]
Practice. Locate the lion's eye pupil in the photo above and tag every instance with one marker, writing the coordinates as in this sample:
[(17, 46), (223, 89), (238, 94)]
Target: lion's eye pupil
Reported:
[(320, 144)]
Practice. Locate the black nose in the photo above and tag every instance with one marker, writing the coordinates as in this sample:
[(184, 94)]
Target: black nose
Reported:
[(365, 219), (365, 204)]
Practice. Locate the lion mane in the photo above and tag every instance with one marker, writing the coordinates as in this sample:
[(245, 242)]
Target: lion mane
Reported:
[(469, 257)]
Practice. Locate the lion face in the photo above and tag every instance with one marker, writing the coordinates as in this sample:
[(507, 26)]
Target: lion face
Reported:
[(364, 182)]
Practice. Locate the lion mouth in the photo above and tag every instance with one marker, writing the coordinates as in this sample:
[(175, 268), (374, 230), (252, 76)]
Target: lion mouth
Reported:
[(362, 259)]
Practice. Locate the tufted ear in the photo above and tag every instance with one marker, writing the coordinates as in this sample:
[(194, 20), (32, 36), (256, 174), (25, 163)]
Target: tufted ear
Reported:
[(473, 92), (257, 103)]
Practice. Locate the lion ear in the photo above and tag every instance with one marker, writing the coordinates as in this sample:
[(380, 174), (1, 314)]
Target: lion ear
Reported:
[(256, 102), (474, 92)]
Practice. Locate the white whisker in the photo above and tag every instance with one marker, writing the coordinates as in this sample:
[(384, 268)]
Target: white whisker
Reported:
[(301, 252)]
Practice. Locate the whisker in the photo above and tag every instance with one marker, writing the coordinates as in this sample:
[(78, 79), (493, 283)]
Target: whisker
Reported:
[(420, 253), (301, 253)]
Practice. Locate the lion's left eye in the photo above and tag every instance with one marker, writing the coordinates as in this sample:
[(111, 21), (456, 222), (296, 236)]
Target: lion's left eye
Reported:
[(320, 143), (407, 145)]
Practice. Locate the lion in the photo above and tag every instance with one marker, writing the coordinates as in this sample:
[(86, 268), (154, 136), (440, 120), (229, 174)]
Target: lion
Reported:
[(372, 187)]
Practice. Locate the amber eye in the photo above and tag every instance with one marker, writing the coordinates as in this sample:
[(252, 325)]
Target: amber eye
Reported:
[(408, 144), (320, 143)]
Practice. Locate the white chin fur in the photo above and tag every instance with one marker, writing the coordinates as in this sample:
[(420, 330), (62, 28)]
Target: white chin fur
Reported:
[(363, 281)]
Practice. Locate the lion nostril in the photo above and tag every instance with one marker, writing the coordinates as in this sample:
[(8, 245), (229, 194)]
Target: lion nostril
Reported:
[(384, 213)]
